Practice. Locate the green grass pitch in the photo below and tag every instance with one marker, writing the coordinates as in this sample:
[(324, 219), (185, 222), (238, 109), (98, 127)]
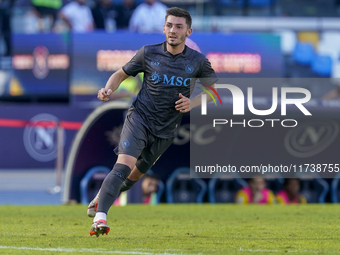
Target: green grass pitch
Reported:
[(173, 229)]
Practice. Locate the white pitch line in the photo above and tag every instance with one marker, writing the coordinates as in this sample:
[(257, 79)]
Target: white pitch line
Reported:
[(265, 250), (86, 250)]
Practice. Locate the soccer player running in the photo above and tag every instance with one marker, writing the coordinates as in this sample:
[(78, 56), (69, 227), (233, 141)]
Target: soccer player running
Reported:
[(170, 71)]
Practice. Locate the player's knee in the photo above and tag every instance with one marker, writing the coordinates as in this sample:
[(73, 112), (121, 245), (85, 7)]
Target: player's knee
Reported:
[(126, 160)]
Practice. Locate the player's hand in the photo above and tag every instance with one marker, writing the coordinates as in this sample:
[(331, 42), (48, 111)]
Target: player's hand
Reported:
[(183, 104), (104, 94)]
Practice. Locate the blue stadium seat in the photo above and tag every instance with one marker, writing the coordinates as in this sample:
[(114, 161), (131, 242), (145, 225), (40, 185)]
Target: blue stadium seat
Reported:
[(253, 3), (322, 65), (91, 183), (235, 3), (180, 188), (335, 189), (261, 3), (303, 53), (275, 184), (223, 188), (314, 189)]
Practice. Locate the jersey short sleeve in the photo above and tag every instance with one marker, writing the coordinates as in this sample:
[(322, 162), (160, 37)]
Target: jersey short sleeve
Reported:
[(207, 74), (136, 64)]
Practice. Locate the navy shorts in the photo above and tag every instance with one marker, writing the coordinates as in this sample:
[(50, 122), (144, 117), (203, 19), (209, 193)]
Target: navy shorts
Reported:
[(137, 141)]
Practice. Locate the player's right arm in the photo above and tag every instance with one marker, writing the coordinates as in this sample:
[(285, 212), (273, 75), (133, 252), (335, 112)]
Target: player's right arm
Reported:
[(131, 68), (112, 84)]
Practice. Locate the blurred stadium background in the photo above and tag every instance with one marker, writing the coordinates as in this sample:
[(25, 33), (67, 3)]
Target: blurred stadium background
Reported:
[(57, 139)]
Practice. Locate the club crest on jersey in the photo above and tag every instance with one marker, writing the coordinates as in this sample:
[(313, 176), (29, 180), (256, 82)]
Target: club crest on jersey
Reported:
[(189, 68), (155, 77), (126, 143)]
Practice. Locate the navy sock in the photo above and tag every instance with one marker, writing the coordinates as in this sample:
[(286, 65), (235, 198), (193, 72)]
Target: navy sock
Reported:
[(111, 186)]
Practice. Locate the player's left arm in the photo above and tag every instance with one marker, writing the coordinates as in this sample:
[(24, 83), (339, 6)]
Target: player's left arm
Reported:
[(185, 104), (207, 76)]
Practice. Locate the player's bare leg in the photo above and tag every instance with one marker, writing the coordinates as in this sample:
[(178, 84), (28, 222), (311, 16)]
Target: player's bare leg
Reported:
[(110, 191), (134, 176)]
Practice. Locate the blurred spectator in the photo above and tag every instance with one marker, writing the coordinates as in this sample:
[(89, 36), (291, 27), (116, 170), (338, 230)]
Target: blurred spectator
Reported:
[(291, 193), (191, 44), (77, 16), (124, 12), (255, 193), (5, 23), (149, 189), (46, 11), (105, 15), (149, 17)]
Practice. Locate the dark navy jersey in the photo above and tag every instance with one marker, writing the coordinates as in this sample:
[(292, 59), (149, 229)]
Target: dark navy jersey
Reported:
[(165, 76)]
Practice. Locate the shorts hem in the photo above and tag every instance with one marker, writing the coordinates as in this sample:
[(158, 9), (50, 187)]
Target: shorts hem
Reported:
[(130, 154)]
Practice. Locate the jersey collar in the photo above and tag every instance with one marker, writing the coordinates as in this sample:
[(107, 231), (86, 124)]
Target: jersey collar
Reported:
[(182, 53)]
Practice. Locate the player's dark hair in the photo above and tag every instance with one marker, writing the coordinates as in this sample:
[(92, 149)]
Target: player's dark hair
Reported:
[(178, 12)]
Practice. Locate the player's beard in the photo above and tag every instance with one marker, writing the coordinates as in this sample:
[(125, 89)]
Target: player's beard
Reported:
[(180, 40)]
